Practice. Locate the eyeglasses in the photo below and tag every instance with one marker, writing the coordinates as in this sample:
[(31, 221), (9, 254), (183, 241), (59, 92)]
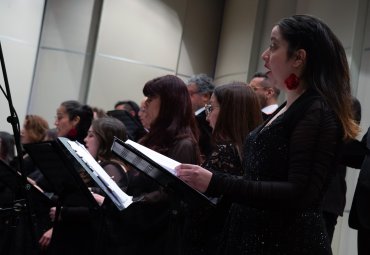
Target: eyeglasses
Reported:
[(209, 108)]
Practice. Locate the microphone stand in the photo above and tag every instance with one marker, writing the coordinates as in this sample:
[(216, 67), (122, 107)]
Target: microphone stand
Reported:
[(14, 121)]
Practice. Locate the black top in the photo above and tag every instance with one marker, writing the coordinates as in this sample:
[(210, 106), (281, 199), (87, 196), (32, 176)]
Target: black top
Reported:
[(203, 226), (83, 230), (155, 224), (360, 209), (287, 166)]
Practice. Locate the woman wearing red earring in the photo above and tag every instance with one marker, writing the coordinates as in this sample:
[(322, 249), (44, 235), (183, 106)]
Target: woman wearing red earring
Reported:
[(288, 160), (73, 120)]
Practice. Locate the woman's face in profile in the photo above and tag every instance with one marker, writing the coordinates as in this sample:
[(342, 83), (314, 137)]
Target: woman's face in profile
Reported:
[(152, 107), (212, 111), (92, 142), (276, 59), (25, 137), (62, 122)]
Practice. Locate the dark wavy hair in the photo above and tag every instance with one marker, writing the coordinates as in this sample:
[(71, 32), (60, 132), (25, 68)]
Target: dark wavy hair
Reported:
[(326, 69), (105, 129), (239, 113), (84, 112), (175, 118)]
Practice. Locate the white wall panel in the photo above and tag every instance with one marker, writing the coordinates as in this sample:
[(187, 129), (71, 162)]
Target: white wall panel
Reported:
[(236, 38), (115, 80), (62, 54), (200, 37), (148, 31), (20, 25)]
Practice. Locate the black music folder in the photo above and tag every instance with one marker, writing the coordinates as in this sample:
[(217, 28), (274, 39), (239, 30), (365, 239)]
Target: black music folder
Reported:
[(63, 163), (12, 179), (160, 168)]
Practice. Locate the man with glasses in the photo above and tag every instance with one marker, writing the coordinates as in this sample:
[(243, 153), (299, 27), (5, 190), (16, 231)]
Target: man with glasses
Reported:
[(200, 89), (267, 94)]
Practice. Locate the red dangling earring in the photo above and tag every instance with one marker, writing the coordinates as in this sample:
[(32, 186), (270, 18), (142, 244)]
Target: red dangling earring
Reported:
[(72, 133), (292, 81)]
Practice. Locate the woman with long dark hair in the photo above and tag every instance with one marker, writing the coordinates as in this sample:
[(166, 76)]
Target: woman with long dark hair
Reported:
[(288, 160), (173, 133), (233, 112)]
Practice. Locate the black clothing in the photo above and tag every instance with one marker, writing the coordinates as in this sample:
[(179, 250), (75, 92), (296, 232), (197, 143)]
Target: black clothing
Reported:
[(335, 199), (154, 225), (330, 220), (360, 209), (80, 229), (203, 226), (17, 235), (205, 133), (134, 128), (265, 116), (277, 205)]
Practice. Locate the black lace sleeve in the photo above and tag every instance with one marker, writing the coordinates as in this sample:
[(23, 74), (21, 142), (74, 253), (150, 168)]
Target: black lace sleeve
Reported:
[(224, 159), (312, 150)]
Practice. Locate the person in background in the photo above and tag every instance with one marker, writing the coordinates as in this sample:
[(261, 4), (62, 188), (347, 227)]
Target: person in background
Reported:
[(73, 119), (7, 150), (335, 197), (98, 113), (128, 113), (288, 161), (158, 218), (359, 216), (200, 88), (98, 142), (129, 106), (267, 93), (232, 113), (51, 134), (356, 154), (34, 130), (142, 115)]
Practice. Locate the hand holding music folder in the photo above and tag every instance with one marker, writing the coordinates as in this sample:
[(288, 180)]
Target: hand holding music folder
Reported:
[(160, 168), (61, 160)]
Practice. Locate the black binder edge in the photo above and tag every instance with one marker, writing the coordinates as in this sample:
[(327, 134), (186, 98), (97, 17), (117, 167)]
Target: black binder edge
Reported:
[(13, 180), (161, 175), (69, 171)]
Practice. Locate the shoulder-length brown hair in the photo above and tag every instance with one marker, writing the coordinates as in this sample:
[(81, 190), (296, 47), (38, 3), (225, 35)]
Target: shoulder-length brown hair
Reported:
[(36, 127), (239, 113), (105, 129), (175, 118)]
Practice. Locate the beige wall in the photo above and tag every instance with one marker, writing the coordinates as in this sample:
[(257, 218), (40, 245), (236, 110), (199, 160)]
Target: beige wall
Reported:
[(20, 25), (63, 50), (141, 40)]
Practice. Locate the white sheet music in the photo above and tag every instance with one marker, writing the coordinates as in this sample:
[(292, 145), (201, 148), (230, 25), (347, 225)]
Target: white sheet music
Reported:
[(120, 198), (165, 162)]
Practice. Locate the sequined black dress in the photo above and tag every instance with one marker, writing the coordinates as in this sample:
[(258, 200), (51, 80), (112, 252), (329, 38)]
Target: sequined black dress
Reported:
[(204, 226), (277, 205)]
